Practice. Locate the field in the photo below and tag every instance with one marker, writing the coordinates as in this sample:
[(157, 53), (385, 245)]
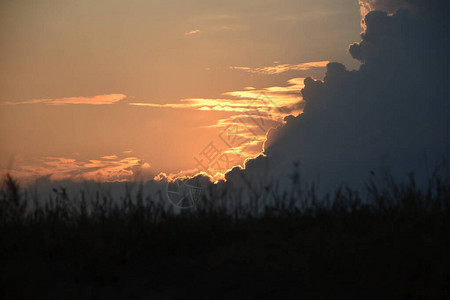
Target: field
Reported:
[(391, 242)]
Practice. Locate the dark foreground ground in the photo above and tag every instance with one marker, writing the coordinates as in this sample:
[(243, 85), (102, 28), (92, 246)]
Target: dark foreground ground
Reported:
[(393, 245)]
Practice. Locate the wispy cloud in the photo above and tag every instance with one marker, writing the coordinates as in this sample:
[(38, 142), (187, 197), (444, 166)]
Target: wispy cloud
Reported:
[(109, 157), (192, 32), (281, 68), (254, 112), (283, 98), (247, 131), (241, 135), (242, 101), (230, 105), (108, 168), (94, 100)]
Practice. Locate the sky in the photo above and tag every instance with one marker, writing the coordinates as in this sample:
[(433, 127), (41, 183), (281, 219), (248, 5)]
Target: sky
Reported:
[(115, 90)]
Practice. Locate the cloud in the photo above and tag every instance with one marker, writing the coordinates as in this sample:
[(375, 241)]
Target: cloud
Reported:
[(205, 104), (108, 168), (270, 107), (184, 174), (281, 99), (390, 115), (192, 32), (94, 100), (281, 68), (388, 6), (251, 101), (228, 105), (109, 157), (253, 112)]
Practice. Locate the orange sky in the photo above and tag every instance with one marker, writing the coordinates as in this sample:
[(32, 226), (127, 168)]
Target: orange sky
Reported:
[(113, 90)]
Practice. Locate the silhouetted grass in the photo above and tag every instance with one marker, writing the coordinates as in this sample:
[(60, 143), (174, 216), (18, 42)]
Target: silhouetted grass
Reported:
[(391, 243)]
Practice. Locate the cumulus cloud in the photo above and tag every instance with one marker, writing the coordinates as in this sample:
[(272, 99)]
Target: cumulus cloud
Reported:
[(95, 100), (391, 115), (281, 68), (388, 6)]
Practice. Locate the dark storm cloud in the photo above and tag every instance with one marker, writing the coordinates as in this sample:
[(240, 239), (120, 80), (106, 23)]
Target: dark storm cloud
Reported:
[(390, 115)]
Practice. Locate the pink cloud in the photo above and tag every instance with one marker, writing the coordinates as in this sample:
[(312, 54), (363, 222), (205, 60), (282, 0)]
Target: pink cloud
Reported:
[(108, 168), (94, 100)]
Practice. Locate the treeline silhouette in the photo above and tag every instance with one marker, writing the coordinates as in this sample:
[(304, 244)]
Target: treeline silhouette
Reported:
[(391, 243)]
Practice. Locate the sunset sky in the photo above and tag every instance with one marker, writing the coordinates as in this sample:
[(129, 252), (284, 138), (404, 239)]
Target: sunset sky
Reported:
[(107, 90)]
